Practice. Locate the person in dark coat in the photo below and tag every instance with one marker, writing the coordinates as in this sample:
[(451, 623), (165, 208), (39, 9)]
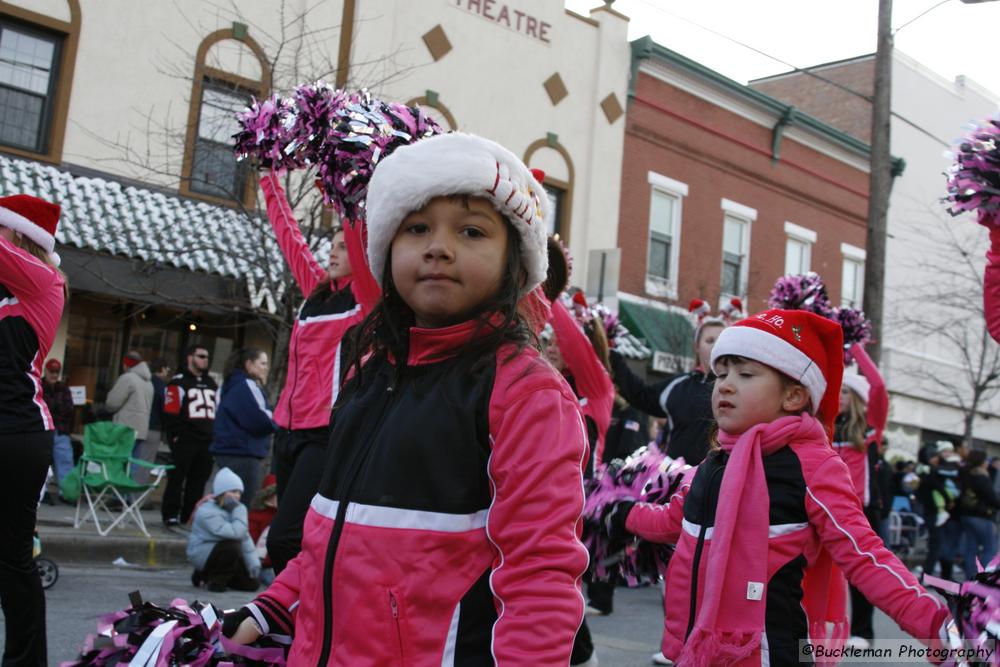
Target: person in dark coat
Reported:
[(241, 435), (979, 506), (60, 402)]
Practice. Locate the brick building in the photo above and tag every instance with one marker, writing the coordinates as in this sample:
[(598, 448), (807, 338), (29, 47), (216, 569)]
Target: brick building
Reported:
[(724, 189), (927, 370)]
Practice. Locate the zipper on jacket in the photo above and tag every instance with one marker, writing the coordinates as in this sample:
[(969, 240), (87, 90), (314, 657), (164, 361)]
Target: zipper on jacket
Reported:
[(355, 467), (394, 608), (698, 549)]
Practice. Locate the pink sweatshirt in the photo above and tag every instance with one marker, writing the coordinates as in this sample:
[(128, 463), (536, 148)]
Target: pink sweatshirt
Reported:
[(31, 305), (314, 350)]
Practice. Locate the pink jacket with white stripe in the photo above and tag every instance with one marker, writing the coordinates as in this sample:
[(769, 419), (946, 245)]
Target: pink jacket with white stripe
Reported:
[(861, 462), (314, 350), (446, 527), (812, 505), (31, 305)]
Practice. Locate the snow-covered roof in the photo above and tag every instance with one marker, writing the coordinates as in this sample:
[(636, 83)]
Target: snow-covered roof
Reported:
[(104, 215)]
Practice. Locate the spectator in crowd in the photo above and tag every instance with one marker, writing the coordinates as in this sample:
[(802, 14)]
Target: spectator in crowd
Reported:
[(188, 414), (60, 403), (262, 511), (241, 436), (220, 548), (130, 400), (978, 506), (147, 452)]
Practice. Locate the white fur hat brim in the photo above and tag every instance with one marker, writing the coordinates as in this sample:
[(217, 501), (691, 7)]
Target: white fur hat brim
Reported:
[(457, 164), (858, 384)]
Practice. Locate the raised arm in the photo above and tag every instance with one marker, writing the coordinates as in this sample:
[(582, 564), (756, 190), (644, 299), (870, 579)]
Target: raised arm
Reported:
[(308, 273), (22, 273), (878, 397), (366, 291), (991, 284), (592, 380)]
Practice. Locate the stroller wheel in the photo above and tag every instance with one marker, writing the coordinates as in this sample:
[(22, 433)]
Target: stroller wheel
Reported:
[(48, 571)]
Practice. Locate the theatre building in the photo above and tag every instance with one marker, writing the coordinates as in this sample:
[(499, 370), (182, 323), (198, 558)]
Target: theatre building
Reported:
[(123, 113)]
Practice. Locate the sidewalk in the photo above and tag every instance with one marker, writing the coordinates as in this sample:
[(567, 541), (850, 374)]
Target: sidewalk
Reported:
[(65, 544)]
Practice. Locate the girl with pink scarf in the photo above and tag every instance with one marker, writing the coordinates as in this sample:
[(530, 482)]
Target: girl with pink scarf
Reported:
[(763, 520)]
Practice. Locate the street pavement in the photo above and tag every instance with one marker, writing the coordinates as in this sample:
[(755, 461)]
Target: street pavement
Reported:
[(626, 638)]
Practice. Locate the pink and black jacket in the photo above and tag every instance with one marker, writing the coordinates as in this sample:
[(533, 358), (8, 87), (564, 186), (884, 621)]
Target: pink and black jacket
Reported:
[(812, 505), (861, 462), (314, 351), (446, 527), (31, 304)]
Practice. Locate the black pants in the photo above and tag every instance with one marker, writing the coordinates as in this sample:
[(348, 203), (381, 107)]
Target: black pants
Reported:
[(862, 611), (186, 482), (299, 459), (583, 645), (24, 462), (225, 567), (601, 596)]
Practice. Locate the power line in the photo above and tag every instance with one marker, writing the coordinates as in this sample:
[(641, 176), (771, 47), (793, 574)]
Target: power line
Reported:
[(808, 71)]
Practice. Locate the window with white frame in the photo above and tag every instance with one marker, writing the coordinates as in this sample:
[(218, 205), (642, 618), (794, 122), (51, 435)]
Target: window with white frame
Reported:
[(852, 283), (736, 247), (798, 248), (662, 258)]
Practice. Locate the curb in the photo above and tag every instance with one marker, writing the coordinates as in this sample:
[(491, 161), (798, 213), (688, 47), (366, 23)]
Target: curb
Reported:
[(85, 546)]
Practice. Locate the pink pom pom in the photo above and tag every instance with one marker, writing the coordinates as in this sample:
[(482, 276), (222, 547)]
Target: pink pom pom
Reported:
[(974, 178), (344, 134)]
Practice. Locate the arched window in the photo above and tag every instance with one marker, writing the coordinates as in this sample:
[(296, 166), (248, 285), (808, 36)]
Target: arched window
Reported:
[(230, 69), (551, 157), (439, 112), (37, 60)]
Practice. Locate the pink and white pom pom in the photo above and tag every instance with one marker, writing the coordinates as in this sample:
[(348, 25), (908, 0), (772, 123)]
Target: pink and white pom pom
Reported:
[(974, 177), (647, 476)]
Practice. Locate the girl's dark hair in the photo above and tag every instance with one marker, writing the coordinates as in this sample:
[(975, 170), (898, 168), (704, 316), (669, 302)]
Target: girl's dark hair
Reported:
[(385, 332), (237, 361), (976, 458)]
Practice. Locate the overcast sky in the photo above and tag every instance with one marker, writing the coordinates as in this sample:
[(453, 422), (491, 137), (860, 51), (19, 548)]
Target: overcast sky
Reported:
[(951, 39)]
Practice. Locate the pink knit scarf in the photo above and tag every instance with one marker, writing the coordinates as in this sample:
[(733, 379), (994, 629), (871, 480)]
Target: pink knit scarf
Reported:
[(730, 617)]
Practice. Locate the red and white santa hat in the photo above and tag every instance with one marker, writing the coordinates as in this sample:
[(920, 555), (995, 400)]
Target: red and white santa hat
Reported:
[(804, 346), (32, 217), (858, 384), (457, 164), (702, 313)]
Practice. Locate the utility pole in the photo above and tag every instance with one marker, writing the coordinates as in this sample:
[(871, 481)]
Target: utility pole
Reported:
[(880, 182)]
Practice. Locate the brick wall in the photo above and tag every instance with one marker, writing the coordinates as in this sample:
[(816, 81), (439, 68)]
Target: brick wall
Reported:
[(720, 154), (827, 101)]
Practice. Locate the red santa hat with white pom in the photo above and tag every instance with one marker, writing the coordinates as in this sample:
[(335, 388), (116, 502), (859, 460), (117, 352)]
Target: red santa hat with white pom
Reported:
[(33, 218), (730, 312)]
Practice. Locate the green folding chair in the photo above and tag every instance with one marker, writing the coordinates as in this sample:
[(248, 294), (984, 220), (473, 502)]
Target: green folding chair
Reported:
[(106, 485)]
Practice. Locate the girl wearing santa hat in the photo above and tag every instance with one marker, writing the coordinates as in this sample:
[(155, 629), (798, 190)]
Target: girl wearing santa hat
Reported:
[(684, 399), (857, 436), (336, 299), (32, 295), (763, 519), (445, 529)]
